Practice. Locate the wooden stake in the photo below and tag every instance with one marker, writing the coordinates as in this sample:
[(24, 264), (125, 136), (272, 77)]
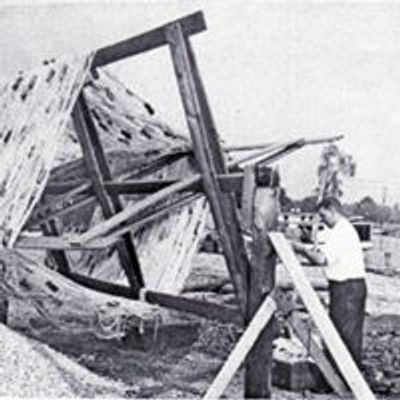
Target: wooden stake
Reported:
[(261, 281)]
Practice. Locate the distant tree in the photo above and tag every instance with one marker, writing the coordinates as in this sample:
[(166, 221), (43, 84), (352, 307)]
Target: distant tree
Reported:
[(333, 167), (395, 215), (368, 208), (307, 204)]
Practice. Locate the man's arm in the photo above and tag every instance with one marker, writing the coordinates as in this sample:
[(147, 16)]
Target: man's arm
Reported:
[(313, 256)]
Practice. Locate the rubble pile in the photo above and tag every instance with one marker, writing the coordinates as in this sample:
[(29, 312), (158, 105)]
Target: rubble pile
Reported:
[(382, 355)]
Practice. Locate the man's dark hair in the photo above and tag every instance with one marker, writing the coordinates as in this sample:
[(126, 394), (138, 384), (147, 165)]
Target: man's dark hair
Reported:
[(329, 203)]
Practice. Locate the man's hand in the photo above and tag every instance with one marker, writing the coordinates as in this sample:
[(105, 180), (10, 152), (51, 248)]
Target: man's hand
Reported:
[(297, 246), (314, 257)]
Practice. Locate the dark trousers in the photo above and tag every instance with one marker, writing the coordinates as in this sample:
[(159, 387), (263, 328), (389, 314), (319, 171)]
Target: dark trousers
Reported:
[(347, 310)]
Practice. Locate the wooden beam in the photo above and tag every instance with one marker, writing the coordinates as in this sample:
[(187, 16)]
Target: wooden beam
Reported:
[(333, 341), (98, 171), (154, 215), (59, 243), (259, 146), (150, 40), (136, 209), (200, 308), (63, 187), (53, 213), (209, 156), (229, 183), (203, 309), (242, 348), (138, 186)]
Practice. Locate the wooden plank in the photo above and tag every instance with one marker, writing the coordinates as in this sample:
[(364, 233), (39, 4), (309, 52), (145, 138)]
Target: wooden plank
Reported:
[(53, 213), (150, 40), (201, 308), (62, 187), (259, 146), (136, 209), (59, 243), (334, 343), (98, 171), (318, 355), (154, 215), (247, 159), (242, 348), (228, 182), (209, 155), (150, 186)]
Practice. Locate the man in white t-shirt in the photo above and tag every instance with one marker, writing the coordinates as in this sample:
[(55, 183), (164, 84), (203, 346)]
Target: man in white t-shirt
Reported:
[(342, 255)]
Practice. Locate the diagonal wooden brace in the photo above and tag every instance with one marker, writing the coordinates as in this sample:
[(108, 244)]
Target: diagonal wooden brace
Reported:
[(98, 170)]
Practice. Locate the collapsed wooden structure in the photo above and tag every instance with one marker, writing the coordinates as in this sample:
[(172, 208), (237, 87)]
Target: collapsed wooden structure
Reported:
[(252, 276)]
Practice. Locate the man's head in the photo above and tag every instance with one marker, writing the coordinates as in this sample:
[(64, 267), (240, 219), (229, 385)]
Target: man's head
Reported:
[(329, 210)]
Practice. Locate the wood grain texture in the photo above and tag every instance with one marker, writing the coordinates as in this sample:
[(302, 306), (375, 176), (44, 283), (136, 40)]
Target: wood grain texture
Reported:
[(35, 108)]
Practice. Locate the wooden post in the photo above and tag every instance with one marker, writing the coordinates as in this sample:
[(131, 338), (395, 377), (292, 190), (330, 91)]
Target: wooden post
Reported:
[(261, 281)]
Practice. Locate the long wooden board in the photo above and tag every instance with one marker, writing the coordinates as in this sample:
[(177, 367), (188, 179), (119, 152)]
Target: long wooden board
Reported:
[(135, 209), (191, 25), (242, 348), (334, 343), (209, 156)]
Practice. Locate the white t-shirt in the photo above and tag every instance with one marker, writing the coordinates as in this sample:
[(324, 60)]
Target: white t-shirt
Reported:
[(343, 252)]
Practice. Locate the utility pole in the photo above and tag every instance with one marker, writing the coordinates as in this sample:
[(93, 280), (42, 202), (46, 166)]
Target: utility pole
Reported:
[(384, 199)]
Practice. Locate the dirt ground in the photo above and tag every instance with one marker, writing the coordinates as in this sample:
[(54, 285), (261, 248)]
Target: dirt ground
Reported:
[(181, 362)]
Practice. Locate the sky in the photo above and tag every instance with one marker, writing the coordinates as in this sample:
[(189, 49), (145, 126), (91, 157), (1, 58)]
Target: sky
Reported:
[(273, 71)]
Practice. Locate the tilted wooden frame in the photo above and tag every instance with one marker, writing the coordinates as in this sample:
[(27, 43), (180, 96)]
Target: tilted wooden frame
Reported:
[(214, 178)]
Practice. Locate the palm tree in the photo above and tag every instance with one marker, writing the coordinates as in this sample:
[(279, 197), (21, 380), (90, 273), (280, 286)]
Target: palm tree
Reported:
[(334, 166)]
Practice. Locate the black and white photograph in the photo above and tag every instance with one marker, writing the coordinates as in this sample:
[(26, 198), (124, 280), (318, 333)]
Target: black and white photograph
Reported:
[(200, 199)]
